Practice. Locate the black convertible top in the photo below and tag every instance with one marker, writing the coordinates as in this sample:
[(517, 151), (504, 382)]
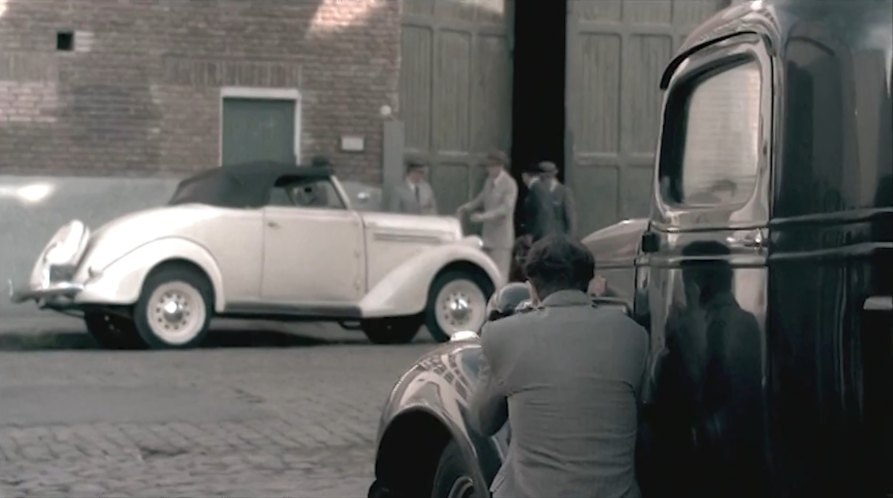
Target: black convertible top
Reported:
[(240, 186)]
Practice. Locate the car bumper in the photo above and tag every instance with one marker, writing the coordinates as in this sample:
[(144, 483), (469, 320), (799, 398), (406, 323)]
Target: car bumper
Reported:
[(53, 292)]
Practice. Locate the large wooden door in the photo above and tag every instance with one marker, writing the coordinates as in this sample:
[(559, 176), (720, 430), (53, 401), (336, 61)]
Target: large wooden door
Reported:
[(456, 89), (616, 52)]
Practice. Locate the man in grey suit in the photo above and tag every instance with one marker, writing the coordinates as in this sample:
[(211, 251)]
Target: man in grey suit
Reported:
[(497, 202), (538, 216), (567, 377), (415, 195), (562, 200)]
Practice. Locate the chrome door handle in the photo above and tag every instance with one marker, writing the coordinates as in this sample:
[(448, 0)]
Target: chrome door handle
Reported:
[(755, 239)]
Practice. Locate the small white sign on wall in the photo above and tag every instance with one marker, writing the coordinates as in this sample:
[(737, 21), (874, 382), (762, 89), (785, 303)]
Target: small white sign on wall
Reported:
[(352, 143)]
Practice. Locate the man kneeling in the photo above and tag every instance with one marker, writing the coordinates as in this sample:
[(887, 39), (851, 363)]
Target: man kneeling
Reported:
[(567, 377)]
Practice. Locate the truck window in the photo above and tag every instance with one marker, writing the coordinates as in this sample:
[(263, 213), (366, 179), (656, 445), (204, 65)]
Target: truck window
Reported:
[(720, 131)]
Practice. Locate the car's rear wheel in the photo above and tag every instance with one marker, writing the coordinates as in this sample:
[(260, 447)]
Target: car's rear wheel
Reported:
[(175, 308), (457, 302), (453, 477), (112, 331), (399, 330)]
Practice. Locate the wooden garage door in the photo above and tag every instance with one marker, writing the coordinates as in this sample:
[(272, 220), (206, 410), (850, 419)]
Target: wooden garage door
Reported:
[(455, 89), (616, 52)]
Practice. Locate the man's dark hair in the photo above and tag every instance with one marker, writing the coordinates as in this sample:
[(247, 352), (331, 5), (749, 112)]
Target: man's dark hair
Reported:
[(414, 164), (713, 275), (557, 263)]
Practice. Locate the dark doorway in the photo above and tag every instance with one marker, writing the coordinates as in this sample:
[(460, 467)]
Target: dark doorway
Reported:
[(538, 84)]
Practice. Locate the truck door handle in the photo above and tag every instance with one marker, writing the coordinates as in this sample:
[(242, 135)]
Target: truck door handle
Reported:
[(272, 224), (755, 239)]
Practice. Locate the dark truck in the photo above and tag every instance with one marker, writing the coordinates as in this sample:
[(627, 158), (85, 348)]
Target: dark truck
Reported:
[(764, 276)]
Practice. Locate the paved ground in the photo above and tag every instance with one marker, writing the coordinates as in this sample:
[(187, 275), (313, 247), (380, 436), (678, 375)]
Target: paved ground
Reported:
[(295, 419)]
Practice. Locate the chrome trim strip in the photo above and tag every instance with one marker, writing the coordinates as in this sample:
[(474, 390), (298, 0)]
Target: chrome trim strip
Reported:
[(408, 237)]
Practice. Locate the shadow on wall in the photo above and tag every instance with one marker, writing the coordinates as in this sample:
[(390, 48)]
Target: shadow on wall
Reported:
[(33, 208)]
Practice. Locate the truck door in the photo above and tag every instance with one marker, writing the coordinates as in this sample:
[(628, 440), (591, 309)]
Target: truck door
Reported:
[(706, 272)]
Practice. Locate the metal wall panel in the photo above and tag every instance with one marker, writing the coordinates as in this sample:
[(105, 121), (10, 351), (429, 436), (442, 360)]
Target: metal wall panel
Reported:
[(616, 50), (258, 130)]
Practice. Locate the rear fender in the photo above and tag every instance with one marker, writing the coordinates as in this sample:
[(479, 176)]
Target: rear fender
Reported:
[(404, 291)]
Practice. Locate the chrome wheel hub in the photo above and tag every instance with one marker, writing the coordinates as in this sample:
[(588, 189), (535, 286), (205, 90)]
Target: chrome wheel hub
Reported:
[(173, 308), (457, 308)]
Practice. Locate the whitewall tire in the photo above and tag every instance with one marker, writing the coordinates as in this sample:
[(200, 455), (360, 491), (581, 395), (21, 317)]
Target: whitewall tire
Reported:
[(175, 308), (457, 302)]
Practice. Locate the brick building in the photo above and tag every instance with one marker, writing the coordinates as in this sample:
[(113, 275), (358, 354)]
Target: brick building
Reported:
[(155, 87), (149, 87)]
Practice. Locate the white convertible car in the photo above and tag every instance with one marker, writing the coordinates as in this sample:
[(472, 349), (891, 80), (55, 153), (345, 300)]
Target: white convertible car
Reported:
[(263, 241)]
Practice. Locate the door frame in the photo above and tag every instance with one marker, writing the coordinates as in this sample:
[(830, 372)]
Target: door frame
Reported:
[(261, 93)]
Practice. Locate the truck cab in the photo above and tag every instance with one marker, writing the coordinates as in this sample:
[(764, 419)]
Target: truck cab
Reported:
[(763, 273)]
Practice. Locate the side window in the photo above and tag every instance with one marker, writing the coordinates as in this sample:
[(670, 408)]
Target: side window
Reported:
[(716, 142), (316, 193)]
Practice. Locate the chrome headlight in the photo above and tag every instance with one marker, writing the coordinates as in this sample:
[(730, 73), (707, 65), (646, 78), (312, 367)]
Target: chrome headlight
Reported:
[(67, 246), (61, 256)]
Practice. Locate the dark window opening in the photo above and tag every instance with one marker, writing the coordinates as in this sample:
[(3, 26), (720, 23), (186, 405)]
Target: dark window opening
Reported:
[(538, 120), (65, 41)]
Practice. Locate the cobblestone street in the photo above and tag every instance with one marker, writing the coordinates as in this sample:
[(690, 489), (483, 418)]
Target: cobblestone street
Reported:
[(236, 421)]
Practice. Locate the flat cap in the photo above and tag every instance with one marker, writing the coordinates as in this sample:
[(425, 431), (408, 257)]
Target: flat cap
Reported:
[(548, 167)]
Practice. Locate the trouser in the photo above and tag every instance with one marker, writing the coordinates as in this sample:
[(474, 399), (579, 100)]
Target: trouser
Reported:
[(502, 257)]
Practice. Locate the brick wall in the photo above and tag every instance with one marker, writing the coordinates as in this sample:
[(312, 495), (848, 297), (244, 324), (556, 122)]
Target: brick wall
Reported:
[(140, 94)]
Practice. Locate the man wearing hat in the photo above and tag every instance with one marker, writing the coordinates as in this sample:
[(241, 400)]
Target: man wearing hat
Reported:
[(415, 195), (538, 218), (497, 202), (562, 200)]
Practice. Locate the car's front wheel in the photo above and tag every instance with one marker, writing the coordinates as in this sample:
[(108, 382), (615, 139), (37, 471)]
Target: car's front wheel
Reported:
[(175, 308), (112, 331), (453, 477), (457, 302), (399, 330)]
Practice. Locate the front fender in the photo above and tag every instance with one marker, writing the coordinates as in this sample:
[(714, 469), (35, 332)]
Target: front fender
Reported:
[(121, 282), (404, 291), (439, 386)]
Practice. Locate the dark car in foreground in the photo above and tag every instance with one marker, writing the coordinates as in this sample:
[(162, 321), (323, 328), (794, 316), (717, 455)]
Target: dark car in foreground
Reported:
[(764, 275)]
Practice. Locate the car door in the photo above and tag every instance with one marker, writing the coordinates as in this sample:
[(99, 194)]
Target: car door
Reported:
[(705, 276), (313, 247)]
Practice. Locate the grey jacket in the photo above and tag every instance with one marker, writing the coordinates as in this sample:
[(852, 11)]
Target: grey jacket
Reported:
[(539, 213), (497, 199), (565, 208), (403, 199), (567, 377)]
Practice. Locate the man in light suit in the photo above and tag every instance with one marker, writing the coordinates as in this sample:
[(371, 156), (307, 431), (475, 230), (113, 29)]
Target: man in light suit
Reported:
[(562, 200), (567, 377), (415, 195), (497, 202)]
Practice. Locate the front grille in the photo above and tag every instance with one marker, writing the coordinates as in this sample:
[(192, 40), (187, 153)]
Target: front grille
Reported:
[(61, 273)]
